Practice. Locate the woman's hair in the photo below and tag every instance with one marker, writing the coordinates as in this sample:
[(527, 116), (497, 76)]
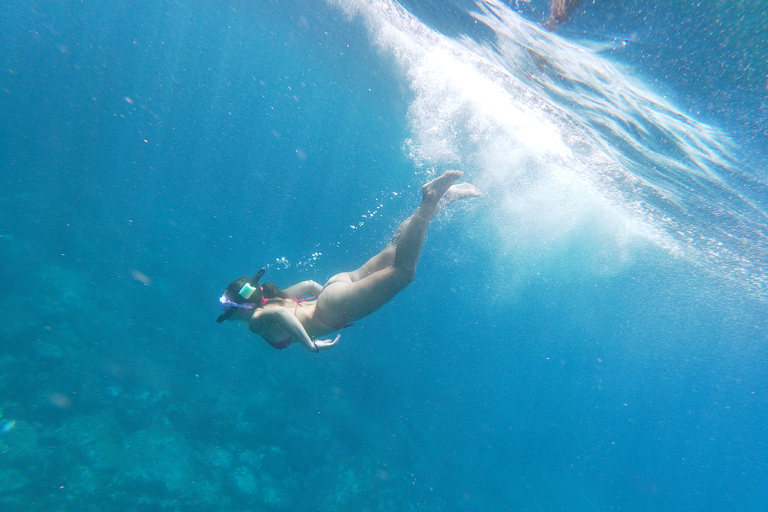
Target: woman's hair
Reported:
[(271, 291)]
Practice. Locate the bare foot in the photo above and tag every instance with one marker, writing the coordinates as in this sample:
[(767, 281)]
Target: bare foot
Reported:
[(434, 190), (456, 192), (461, 191)]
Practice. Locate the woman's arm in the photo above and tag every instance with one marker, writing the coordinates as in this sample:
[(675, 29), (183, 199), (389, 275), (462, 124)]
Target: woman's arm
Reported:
[(303, 288), (290, 323)]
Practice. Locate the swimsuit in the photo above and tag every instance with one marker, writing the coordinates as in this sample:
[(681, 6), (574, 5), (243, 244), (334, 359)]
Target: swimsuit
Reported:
[(342, 325), (282, 344)]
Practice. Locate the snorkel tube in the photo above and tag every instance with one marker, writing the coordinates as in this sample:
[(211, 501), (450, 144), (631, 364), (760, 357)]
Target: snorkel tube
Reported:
[(249, 296)]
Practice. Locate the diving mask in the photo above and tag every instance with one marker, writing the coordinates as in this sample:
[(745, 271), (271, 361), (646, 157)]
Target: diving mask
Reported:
[(250, 291)]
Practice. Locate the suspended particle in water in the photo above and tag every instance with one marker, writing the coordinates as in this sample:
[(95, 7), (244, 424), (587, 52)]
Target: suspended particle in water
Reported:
[(142, 277), (7, 427), (60, 400)]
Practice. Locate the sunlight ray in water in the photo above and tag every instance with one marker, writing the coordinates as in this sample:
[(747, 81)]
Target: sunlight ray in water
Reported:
[(575, 150)]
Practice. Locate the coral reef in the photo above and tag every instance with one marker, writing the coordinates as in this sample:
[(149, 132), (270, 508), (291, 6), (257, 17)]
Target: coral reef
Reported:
[(101, 414)]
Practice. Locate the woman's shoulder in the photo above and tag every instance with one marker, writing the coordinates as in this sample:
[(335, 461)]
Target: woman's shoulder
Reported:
[(272, 308), (264, 316)]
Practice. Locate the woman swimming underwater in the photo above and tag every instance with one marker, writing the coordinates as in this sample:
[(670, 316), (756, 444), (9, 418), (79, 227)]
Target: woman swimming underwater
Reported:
[(282, 318)]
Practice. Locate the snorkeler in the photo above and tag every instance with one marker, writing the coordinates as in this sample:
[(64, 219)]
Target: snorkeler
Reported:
[(560, 11), (282, 317)]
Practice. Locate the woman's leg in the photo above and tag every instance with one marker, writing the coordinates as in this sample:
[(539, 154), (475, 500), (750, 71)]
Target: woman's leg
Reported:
[(356, 294), (382, 260), (386, 257)]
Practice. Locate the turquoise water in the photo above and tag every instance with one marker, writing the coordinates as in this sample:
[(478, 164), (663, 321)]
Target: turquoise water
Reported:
[(590, 335)]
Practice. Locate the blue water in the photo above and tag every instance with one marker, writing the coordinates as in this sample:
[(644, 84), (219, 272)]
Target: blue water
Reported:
[(590, 335)]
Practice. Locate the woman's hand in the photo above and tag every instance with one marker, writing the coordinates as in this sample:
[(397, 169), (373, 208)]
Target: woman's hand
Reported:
[(326, 344)]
